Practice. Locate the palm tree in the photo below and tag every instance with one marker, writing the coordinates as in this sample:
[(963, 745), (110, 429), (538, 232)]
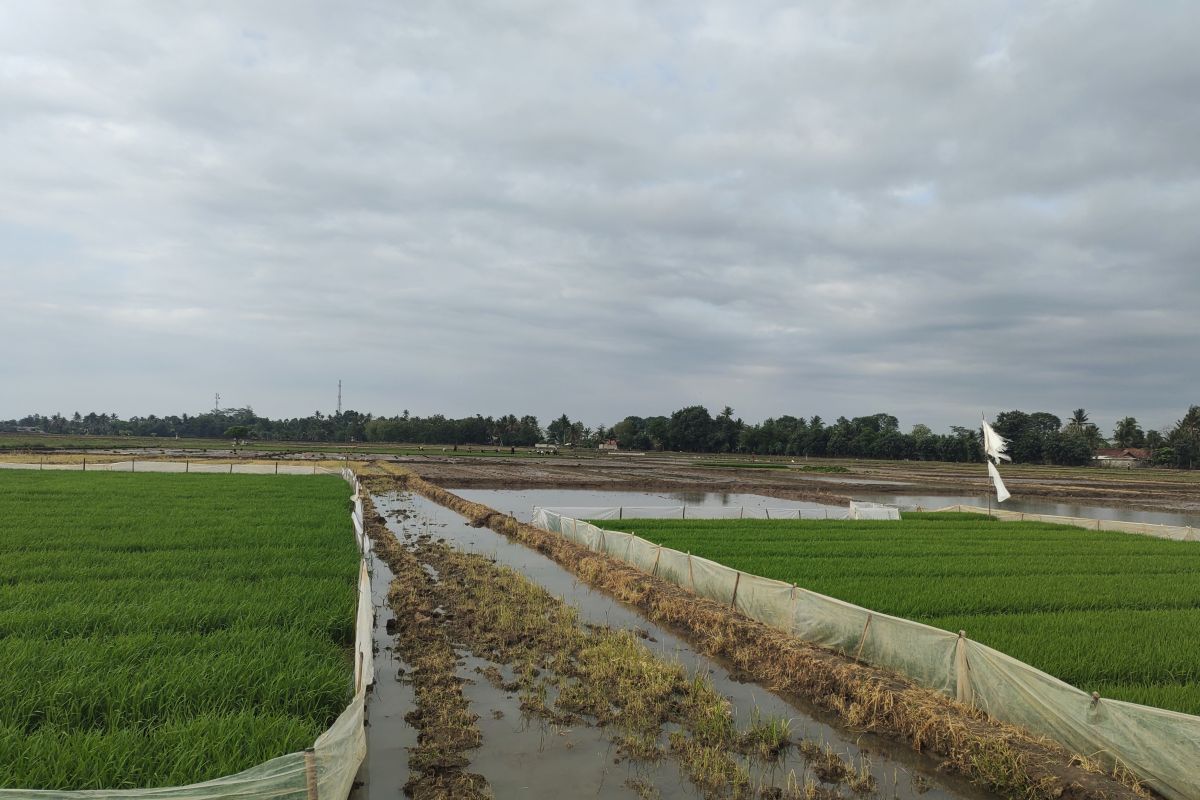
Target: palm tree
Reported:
[(1079, 418), (1186, 438), (1128, 433)]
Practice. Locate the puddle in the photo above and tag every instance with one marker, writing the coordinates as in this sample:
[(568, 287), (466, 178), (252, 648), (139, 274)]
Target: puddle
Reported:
[(527, 756), (520, 502), (385, 769), (899, 772)]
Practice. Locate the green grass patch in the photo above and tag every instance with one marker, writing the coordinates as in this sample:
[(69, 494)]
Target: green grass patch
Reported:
[(162, 629), (1108, 612)]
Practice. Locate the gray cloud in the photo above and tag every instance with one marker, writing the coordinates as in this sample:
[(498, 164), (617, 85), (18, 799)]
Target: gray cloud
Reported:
[(927, 208)]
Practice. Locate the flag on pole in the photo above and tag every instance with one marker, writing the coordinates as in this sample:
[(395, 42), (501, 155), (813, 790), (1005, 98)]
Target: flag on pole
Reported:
[(994, 444), (1001, 492), (995, 447)]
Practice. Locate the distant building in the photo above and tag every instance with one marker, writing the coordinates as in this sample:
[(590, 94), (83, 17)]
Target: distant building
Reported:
[(611, 444), (1122, 457)]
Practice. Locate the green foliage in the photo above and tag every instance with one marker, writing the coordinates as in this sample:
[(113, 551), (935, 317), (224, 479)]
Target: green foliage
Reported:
[(1184, 440), (165, 629), (1128, 433), (1104, 611), (1035, 438)]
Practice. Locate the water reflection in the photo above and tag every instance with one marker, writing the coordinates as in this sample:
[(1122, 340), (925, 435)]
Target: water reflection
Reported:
[(520, 502)]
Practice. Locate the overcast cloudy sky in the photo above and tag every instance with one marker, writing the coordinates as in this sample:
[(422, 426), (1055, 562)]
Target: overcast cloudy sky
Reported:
[(602, 209)]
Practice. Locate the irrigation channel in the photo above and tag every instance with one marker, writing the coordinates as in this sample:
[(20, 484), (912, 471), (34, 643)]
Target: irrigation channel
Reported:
[(520, 752)]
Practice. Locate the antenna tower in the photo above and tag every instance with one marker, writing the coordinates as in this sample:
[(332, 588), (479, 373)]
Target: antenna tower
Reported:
[(217, 401), (339, 397)]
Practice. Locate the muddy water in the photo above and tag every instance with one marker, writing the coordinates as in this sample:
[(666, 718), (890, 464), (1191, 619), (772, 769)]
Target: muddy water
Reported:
[(528, 757), (519, 503), (527, 771), (385, 768)]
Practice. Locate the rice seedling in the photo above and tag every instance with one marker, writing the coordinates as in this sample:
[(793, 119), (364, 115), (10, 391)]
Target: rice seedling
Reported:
[(1104, 611), (164, 629)]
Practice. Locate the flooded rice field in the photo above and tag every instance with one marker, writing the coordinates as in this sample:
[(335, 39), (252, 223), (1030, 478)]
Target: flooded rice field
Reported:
[(520, 502), (532, 738)]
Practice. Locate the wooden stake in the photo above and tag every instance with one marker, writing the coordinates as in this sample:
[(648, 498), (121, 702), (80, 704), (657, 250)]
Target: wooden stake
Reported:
[(863, 639), (310, 772)]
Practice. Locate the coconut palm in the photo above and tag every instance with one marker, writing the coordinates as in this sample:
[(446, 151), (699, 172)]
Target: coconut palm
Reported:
[(1128, 433)]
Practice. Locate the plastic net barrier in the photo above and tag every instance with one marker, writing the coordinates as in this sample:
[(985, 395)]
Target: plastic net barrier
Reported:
[(700, 512), (223, 467), (326, 772), (1180, 533), (1160, 747)]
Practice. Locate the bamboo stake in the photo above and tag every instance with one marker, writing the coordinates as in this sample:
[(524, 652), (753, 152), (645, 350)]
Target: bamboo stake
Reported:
[(310, 772)]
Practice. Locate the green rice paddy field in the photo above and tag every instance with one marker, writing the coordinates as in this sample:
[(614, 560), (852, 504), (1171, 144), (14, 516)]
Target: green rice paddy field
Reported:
[(1109, 612), (164, 629)]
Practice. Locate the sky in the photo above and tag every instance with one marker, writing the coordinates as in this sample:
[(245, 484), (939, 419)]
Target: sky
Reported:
[(933, 209)]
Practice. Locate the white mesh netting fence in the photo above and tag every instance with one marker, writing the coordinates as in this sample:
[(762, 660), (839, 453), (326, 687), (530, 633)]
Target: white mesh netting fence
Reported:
[(1161, 747), (856, 510), (324, 772), (199, 465), (1181, 533)]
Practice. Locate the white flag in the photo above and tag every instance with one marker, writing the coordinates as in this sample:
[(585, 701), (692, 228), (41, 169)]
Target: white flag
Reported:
[(1001, 492), (994, 444)]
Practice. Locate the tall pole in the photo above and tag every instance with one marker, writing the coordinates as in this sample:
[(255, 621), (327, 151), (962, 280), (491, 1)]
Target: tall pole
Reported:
[(339, 411), (983, 445)]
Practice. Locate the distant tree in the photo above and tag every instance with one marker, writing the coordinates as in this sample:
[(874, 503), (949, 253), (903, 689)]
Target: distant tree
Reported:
[(1165, 456), (726, 432), (1070, 448), (559, 431), (1128, 433), (656, 432), (237, 432), (1079, 424), (690, 429), (630, 434), (1184, 439)]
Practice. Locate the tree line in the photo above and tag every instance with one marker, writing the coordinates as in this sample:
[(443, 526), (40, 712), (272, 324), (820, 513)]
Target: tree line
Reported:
[(1035, 437)]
